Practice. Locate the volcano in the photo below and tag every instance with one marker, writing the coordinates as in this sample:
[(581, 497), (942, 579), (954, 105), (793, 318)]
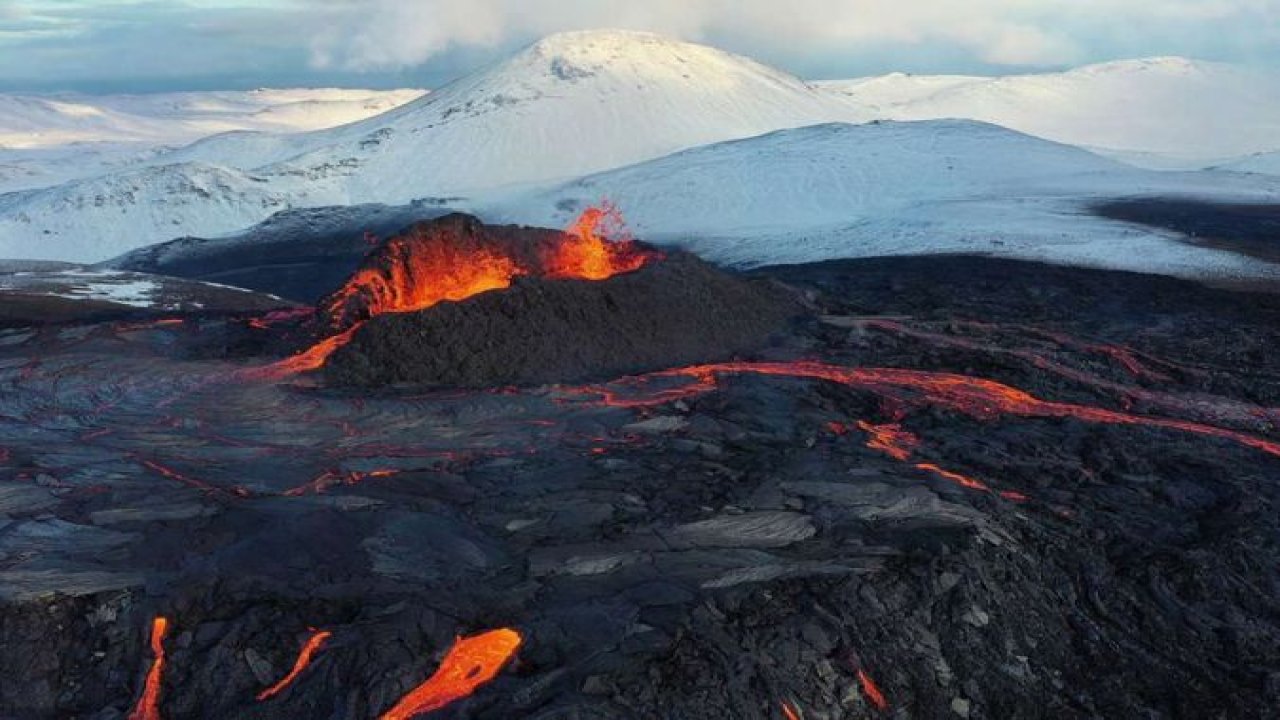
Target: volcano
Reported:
[(454, 302)]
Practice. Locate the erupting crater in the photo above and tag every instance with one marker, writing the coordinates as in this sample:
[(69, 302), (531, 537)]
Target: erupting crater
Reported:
[(573, 305)]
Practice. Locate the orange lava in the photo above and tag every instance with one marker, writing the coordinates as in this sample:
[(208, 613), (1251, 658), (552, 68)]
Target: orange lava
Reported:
[(872, 691), (414, 275), (890, 439), (957, 478), (586, 253), (312, 358), (309, 650), (148, 707), (470, 663), (419, 275), (789, 712)]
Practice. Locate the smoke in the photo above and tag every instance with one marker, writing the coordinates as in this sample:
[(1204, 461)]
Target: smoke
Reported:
[(379, 34)]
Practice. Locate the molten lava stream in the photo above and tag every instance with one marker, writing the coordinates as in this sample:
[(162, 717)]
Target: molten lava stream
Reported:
[(309, 650), (148, 706), (789, 711), (470, 663), (955, 477), (976, 397)]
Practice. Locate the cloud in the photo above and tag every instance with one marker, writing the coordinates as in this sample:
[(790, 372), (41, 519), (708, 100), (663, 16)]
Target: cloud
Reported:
[(152, 44), (405, 33)]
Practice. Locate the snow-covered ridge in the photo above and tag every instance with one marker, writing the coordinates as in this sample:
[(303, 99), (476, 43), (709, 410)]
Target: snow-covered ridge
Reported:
[(47, 121), (47, 140), (1263, 163)]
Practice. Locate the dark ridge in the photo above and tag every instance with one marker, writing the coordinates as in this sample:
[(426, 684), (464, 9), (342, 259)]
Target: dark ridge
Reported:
[(1248, 229)]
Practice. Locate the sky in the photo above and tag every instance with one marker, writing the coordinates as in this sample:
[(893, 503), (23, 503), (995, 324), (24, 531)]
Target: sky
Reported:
[(157, 45)]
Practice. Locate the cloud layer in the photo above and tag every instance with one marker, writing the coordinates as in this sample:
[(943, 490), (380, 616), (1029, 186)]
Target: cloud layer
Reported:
[(121, 44), (397, 33)]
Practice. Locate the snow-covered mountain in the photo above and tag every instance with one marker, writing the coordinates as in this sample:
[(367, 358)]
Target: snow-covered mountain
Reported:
[(890, 188), (571, 104), (581, 103), (1160, 112)]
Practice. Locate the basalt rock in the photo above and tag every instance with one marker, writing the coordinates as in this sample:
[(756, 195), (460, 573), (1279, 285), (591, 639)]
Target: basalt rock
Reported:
[(676, 311)]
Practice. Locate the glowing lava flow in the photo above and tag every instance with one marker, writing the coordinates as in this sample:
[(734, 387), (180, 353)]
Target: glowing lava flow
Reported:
[(148, 707), (413, 273), (789, 712), (957, 478), (416, 275), (470, 663), (309, 650), (891, 439), (976, 397)]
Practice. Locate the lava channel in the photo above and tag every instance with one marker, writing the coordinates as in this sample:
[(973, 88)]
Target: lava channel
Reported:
[(148, 706), (470, 663), (312, 646)]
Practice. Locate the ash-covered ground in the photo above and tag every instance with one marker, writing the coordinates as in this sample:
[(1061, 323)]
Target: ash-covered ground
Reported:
[(960, 487)]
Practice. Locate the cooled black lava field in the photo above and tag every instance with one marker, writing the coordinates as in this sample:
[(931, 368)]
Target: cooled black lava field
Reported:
[(954, 487)]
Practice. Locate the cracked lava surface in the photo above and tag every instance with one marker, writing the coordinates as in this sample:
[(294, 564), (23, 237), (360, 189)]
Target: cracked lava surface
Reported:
[(891, 510)]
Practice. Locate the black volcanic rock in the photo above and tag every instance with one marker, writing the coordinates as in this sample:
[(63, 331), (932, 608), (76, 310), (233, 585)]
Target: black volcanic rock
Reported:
[(743, 553), (677, 311)]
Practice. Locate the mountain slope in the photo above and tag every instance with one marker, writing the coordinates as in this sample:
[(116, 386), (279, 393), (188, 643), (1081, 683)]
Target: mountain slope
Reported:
[(889, 188), (1177, 110)]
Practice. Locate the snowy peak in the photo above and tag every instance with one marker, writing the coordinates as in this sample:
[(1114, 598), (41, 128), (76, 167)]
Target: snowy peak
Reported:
[(571, 104), (602, 65), (653, 59)]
